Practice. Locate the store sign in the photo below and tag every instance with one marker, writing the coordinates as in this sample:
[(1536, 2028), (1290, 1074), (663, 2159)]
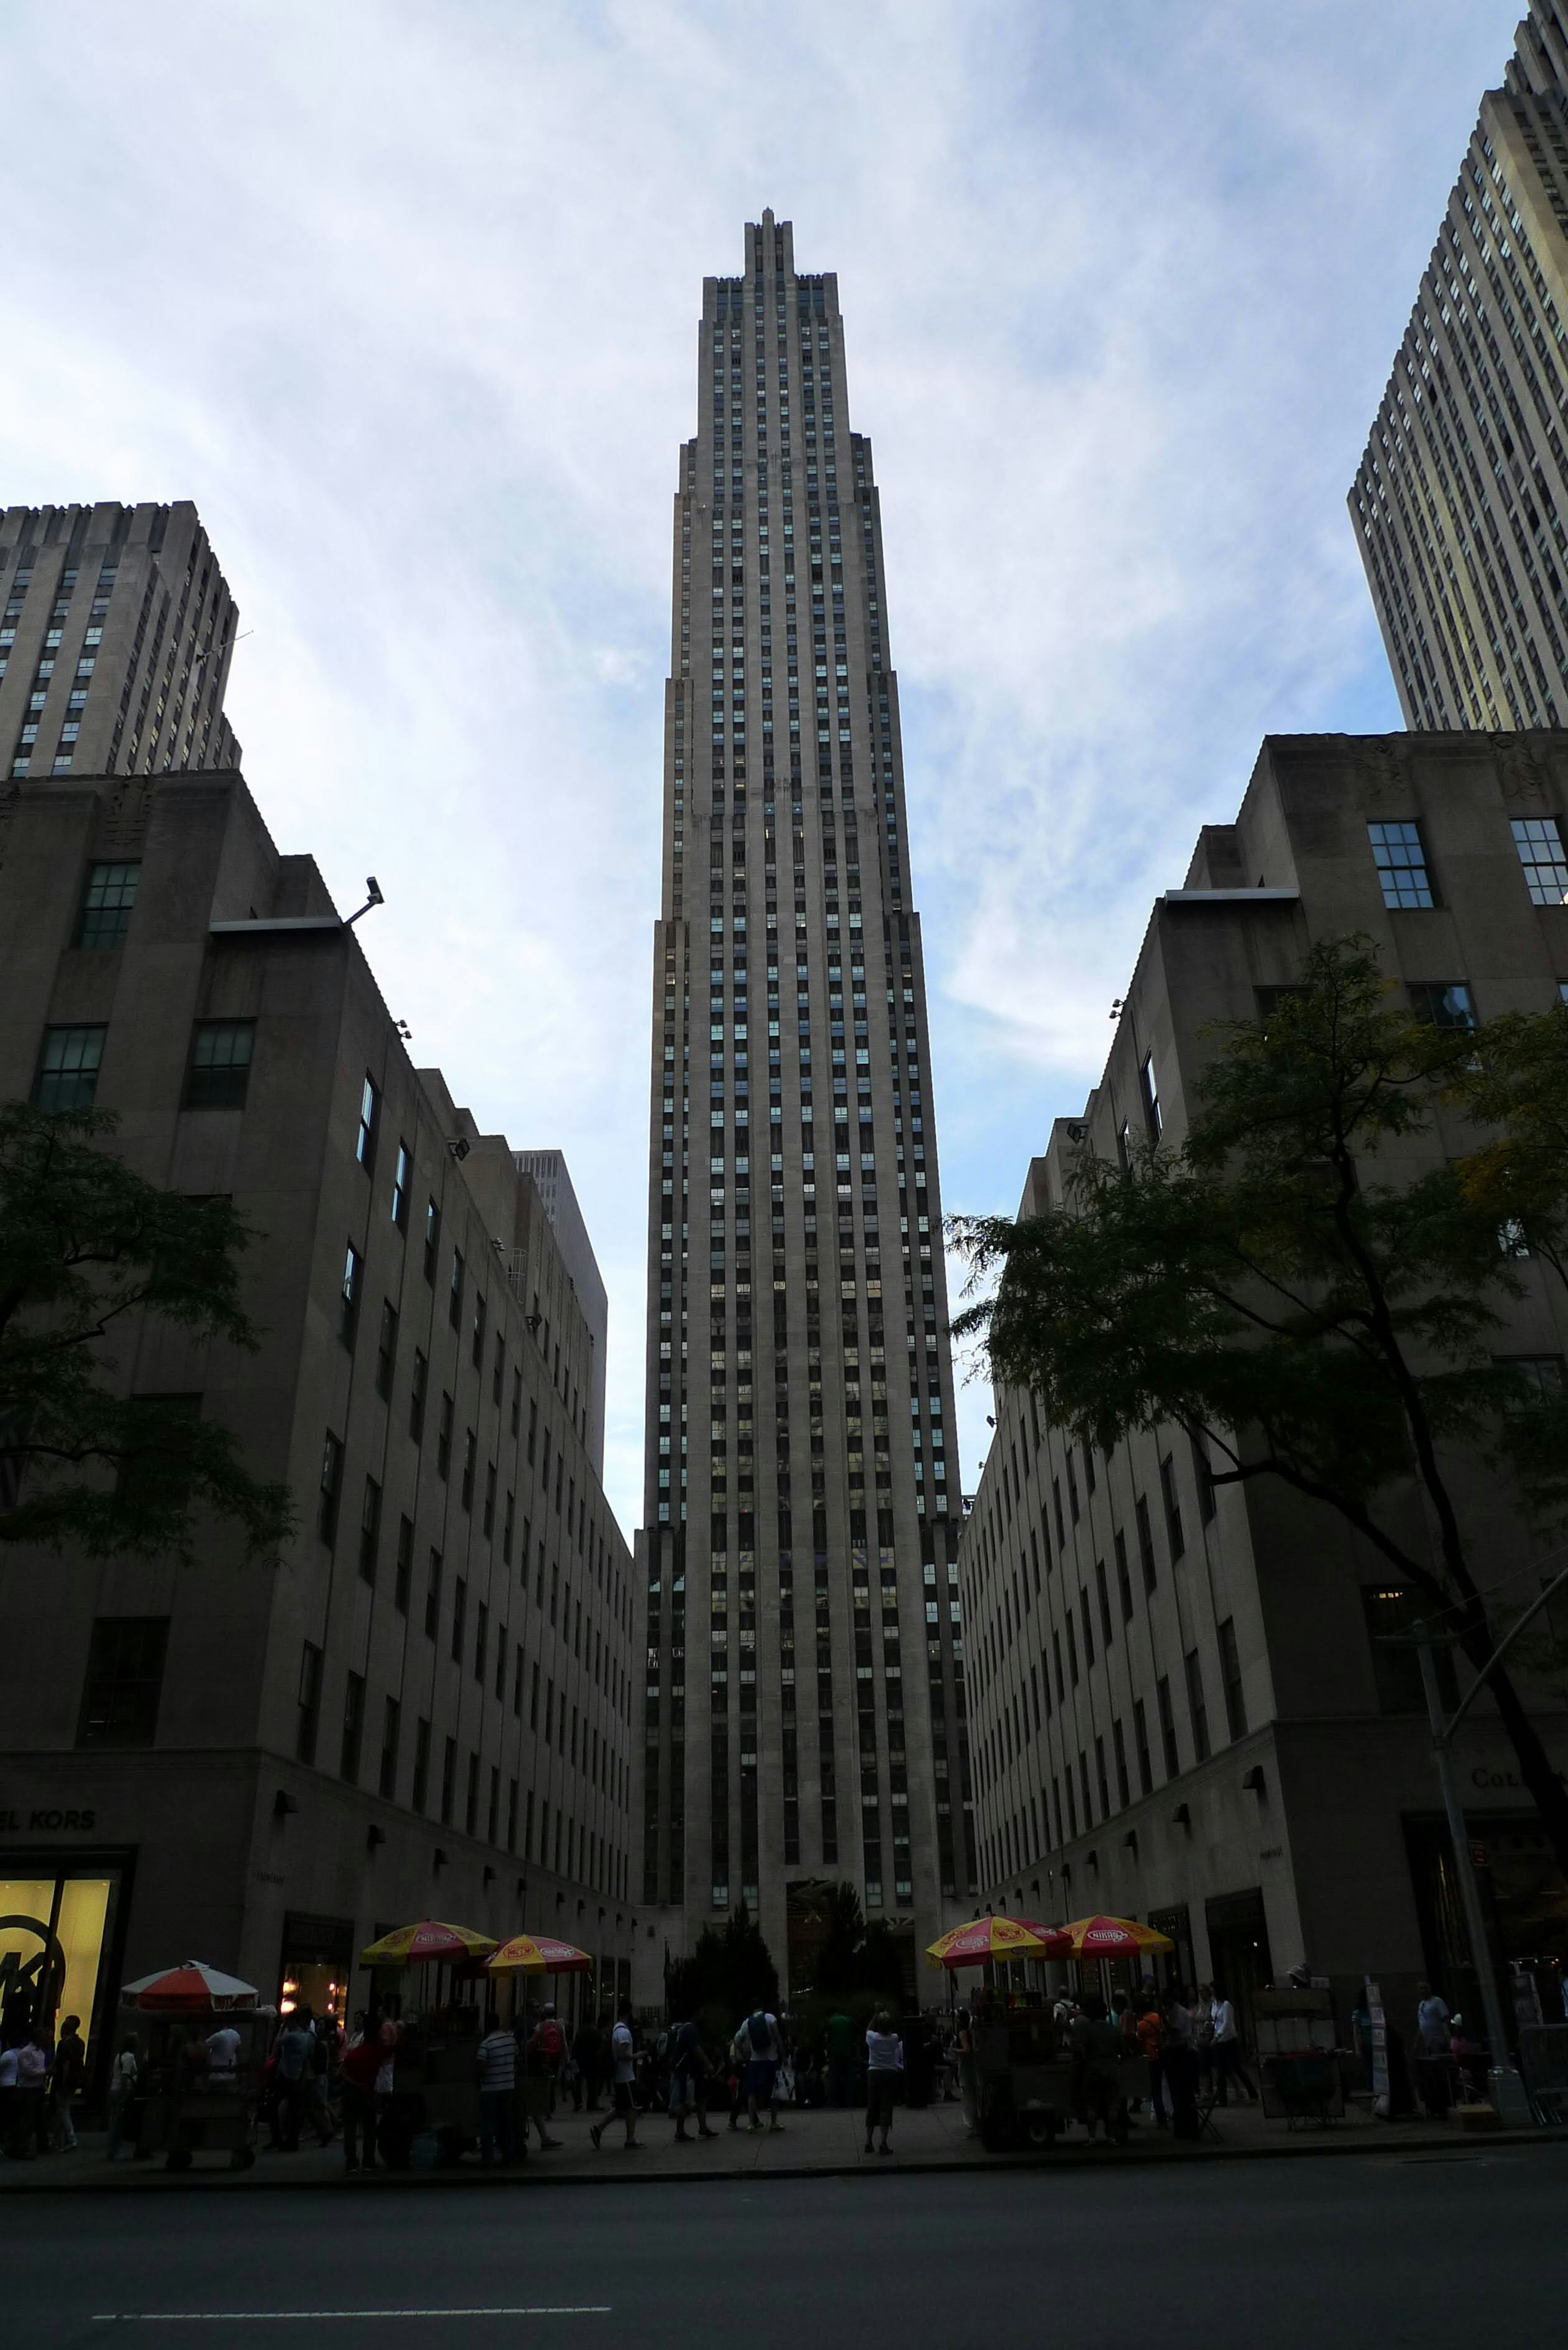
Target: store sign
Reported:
[(47, 1819)]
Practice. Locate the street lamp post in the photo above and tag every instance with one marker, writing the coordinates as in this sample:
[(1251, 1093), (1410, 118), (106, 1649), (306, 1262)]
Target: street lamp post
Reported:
[(1505, 2087)]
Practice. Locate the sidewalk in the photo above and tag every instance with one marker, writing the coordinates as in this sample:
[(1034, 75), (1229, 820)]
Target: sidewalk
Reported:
[(809, 2144)]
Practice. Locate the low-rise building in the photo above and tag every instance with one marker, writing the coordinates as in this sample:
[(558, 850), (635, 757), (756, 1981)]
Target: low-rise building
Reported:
[(1184, 1708), (422, 1705)]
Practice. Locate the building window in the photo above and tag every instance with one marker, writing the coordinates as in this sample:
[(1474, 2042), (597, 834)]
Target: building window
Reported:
[(404, 1574), (1230, 1677), (1444, 1002), (124, 1682), (401, 1179), (220, 1071), (444, 1437), (459, 1616), (108, 902), (1145, 1542), (432, 1597), (349, 1302), (1539, 841), (67, 1069), (370, 1118), (385, 1349), (1167, 1494), (448, 1781), (432, 1240), (1151, 1111), (1196, 1707), (386, 1777), (369, 1530), (155, 1467), (417, 1388), (1140, 1749), (1395, 1663), (479, 1332), (470, 1457), (454, 1294), (418, 1795), (308, 1717), (353, 1727), (1401, 863), (331, 1489)]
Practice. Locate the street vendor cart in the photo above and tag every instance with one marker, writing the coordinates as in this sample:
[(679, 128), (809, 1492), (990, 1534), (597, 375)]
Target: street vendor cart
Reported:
[(188, 2105)]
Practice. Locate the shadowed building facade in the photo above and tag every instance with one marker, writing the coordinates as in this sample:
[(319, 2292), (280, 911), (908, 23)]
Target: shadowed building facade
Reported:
[(803, 1713)]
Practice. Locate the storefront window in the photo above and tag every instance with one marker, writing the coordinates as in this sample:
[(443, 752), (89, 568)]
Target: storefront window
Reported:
[(52, 1938)]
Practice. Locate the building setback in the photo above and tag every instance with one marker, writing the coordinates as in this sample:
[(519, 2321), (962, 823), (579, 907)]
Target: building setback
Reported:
[(552, 1180), (803, 1710), (423, 1705), (116, 635), (1460, 503), (1182, 1706)]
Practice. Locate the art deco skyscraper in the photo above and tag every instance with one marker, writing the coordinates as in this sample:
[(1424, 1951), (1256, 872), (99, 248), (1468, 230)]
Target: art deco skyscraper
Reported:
[(804, 1706), (1460, 505)]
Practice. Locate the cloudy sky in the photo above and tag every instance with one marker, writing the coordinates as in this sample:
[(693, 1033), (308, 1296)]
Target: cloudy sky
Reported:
[(405, 297)]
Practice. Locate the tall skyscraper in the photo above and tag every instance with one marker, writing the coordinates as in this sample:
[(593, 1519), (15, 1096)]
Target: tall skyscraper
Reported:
[(1460, 505), (804, 1706), (115, 641)]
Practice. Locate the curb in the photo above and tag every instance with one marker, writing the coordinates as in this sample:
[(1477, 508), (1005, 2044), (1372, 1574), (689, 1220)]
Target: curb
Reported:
[(1112, 2161)]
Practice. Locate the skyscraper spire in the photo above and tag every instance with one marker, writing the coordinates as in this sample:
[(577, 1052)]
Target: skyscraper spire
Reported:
[(804, 1705)]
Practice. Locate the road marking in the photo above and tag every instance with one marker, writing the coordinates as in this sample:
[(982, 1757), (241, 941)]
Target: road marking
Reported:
[(279, 2316)]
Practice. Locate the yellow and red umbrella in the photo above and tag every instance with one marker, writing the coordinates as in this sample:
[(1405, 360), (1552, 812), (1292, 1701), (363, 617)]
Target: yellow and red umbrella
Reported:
[(538, 1954), (985, 1939), (412, 1946), (1108, 1938)]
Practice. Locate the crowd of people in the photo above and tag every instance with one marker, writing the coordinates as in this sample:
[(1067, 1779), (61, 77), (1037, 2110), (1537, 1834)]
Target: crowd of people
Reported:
[(42, 2076)]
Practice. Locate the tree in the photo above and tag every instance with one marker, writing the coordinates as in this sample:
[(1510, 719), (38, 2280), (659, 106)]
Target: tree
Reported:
[(730, 1974), (1304, 1321), (88, 1249)]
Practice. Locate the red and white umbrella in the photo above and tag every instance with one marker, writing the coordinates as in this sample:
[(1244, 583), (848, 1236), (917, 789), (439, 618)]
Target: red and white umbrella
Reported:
[(190, 1988)]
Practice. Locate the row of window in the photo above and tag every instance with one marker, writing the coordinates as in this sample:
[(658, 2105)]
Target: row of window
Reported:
[(1405, 871), (217, 1071)]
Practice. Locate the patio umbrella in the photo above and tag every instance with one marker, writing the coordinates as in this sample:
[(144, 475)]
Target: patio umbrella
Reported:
[(192, 1988), (1109, 1938), (538, 1954), (985, 1939), (411, 1946)]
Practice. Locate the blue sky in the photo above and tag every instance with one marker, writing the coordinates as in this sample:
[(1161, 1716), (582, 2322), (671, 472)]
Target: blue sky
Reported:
[(405, 297)]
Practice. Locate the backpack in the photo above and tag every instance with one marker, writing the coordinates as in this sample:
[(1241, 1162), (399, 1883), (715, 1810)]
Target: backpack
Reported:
[(552, 2041), (760, 2035)]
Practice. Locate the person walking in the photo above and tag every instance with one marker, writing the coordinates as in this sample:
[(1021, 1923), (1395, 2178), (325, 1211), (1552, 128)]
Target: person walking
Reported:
[(362, 2062), (537, 2071), (688, 2083), (1228, 2049), (293, 2050), (497, 2062), (66, 2077), (124, 2076), (588, 2055), (623, 2073), (762, 2044), (32, 2089), (1180, 2065), (968, 2076), (1149, 2028), (884, 2067)]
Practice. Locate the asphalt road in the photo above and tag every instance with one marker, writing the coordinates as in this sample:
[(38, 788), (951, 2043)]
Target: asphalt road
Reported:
[(1327, 2254)]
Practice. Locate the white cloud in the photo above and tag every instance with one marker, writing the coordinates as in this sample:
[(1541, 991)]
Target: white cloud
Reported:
[(406, 298)]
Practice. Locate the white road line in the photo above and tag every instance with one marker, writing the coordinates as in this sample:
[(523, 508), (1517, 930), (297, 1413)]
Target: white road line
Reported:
[(279, 2316)]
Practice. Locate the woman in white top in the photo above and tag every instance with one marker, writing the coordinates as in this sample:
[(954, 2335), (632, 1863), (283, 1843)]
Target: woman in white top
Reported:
[(884, 2067)]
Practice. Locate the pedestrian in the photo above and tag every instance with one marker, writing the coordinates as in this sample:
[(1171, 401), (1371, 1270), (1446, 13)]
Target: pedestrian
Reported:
[(623, 2068), (294, 2049), (587, 2047), (763, 2045), (317, 2079), (1228, 2049), (968, 2077), (1095, 2042), (32, 2084), (497, 2062), (1203, 2035), (688, 2082), (224, 2056), (553, 2044), (1434, 2064), (66, 2077), (1432, 2021), (1180, 2065), (362, 2064), (124, 2076), (841, 2052), (884, 2067), (1150, 2029), (536, 2080)]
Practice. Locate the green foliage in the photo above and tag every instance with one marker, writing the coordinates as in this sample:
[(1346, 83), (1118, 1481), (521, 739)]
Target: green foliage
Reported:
[(1314, 1319), (727, 1976), (87, 1249), (852, 1955)]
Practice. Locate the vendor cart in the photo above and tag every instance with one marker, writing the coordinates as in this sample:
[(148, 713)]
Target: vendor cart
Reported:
[(186, 2104), (1030, 2084)]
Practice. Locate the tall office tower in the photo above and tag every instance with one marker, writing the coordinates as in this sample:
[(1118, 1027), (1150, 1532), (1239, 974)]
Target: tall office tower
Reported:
[(805, 1696), (114, 644), (1460, 505)]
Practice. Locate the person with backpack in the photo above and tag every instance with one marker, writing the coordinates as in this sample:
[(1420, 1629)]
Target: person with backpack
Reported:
[(688, 2082), (763, 2045), (623, 2064)]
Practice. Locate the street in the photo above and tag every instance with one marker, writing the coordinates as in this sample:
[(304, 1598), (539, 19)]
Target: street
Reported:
[(1418, 2250)]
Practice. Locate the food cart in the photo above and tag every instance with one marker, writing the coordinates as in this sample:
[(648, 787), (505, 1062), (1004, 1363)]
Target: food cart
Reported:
[(185, 2107), (1300, 2065)]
